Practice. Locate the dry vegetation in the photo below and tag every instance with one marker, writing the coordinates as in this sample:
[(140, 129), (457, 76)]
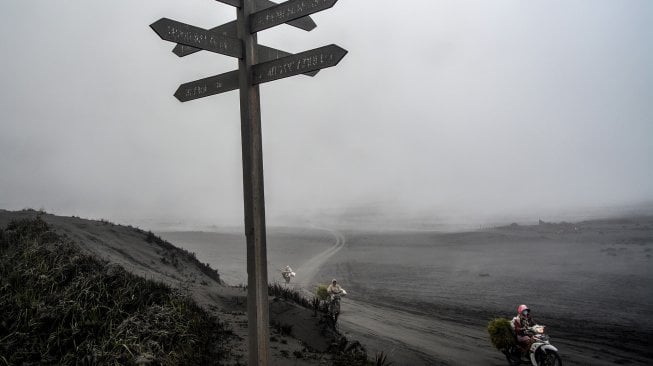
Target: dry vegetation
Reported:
[(60, 306)]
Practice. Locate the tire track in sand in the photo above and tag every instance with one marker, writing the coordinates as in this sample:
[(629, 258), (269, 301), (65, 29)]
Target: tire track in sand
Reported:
[(309, 270)]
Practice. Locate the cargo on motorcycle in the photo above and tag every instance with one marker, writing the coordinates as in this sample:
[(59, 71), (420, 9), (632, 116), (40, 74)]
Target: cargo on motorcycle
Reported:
[(523, 341)]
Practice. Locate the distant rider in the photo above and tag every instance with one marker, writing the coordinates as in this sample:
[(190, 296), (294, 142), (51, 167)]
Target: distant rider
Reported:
[(520, 325), (334, 288), (287, 273)]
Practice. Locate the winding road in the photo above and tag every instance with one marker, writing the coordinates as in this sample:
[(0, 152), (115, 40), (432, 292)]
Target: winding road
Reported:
[(408, 339), (414, 339), (308, 270)]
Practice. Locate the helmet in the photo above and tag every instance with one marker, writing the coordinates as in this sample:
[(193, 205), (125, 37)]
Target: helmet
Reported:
[(521, 309), (333, 280)]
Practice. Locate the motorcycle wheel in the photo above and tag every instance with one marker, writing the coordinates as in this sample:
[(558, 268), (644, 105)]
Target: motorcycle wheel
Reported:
[(513, 356), (550, 358)]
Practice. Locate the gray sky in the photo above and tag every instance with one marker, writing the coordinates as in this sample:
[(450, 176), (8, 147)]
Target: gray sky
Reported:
[(473, 108)]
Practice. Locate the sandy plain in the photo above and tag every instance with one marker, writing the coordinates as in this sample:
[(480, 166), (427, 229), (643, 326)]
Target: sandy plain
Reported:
[(425, 297)]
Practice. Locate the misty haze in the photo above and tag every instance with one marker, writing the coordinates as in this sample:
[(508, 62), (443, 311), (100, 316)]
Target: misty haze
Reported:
[(450, 161)]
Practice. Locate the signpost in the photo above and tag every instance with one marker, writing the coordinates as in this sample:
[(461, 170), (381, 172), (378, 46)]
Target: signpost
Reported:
[(287, 11), (256, 64)]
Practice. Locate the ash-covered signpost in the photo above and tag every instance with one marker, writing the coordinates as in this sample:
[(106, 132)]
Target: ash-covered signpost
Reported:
[(256, 64)]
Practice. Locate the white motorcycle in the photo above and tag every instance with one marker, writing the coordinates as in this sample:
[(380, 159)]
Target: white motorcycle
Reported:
[(541, 352)]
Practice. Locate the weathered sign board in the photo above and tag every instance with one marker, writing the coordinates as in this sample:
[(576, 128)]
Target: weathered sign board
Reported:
[(287, 11), (300, 63), (178, 32), (257, 64)]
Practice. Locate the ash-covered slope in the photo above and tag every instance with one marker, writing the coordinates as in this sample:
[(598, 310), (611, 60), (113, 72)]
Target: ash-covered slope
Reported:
[(149, 266)]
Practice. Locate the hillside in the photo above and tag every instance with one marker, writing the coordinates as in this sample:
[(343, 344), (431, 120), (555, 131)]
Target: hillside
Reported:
[(91, 292)]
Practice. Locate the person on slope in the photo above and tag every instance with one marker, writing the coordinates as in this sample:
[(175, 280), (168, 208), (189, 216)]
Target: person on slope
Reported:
[(335, 289), (520, 325), (287, 273)]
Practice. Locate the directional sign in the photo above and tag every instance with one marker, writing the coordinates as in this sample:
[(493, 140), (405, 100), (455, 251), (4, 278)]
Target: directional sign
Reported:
[(305, 23), (286, 12), (208, 86), (227, 30), (189, 35), (230, 29), (300, 63), (266, 54)]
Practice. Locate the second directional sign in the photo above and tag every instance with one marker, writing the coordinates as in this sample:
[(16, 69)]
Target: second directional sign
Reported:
[(299, 63), (207, 86), (286, 12), (178, 32)]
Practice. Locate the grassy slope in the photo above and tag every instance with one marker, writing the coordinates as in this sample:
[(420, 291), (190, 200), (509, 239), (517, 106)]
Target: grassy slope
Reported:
[(62, 306)]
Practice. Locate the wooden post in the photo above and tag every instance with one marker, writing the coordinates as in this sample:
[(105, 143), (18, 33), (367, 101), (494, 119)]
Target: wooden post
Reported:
[(252, 70), (257, 272)]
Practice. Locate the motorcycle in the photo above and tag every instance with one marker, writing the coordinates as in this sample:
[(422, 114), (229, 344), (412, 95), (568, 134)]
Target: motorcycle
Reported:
[(334, 305), (287, 274), (540, 353)]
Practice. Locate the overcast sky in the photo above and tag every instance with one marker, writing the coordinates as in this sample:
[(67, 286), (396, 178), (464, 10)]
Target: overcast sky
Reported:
[(479, 108)]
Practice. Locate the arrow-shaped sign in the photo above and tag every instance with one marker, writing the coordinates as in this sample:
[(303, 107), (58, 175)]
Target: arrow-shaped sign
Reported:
[(266, 54), (208, 86), (287, 11), (299, 63), (227, 30), (189, 35), (230, 29), (305, 23)]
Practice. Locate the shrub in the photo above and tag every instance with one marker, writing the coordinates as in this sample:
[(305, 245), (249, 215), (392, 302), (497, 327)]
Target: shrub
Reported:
[(347, 353), (501, 333), (291, 294), (321, 292)]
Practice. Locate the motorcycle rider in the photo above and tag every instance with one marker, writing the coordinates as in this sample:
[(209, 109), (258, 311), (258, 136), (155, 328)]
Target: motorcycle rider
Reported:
[(334, 288), (287, 273), (520, 325)]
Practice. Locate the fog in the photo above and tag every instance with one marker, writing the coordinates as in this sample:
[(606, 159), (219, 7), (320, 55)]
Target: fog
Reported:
[(460, 111)]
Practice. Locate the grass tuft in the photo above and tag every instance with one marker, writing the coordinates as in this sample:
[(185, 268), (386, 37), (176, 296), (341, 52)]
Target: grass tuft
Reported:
[(291, 294), (381, 359)]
